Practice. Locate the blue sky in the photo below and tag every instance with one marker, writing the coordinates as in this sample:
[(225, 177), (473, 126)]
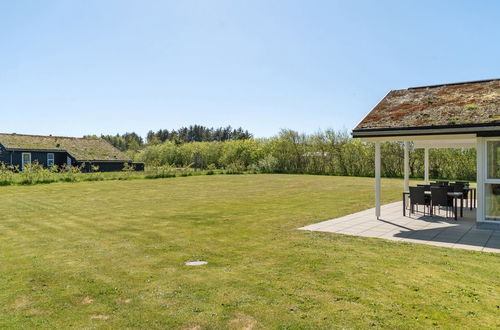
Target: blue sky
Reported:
[(92, 67)]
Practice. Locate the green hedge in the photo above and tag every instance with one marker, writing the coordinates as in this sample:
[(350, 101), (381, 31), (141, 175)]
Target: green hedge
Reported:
[(328, 152)]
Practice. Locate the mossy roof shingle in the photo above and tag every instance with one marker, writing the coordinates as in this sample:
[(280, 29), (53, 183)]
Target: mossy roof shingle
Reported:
[(471, 103), (82, 149)]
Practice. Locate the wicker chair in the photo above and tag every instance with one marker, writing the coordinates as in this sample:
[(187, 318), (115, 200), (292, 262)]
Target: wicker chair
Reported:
[(418, 197), (440, 198)]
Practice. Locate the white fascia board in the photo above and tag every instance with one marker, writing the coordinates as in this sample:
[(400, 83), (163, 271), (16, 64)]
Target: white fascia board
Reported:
[(451, 138)]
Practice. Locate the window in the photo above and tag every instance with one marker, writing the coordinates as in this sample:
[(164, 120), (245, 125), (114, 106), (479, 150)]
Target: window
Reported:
[(50, 159), (492, 186), (493, 201), (26, 159), (493, 152)]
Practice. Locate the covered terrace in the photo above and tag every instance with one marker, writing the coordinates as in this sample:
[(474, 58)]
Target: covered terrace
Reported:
[(458, 115)]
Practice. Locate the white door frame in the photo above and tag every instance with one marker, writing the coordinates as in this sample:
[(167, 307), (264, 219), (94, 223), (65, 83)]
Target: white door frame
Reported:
[(53, 159), (482, 178), (22, 159)]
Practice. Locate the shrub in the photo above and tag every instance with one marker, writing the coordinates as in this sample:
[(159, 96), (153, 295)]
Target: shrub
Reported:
[(268, 164), (35, 173), (329, 152), (7, 173), (235, 168)]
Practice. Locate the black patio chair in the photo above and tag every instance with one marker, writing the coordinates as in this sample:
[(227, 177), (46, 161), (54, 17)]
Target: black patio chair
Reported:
[(459, 187), (443, 183), (465, 183), (440, 198), (418, 197), (426, 186)]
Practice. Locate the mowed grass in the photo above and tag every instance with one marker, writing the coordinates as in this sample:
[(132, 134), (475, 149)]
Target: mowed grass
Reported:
[(112, 253)]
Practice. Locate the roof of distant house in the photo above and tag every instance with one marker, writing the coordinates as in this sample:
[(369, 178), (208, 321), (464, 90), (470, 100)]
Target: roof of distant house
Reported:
[(82, 149), (475, 103)]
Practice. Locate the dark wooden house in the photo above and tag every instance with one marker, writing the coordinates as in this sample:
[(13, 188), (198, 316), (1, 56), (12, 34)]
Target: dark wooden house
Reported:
[(20, 149)]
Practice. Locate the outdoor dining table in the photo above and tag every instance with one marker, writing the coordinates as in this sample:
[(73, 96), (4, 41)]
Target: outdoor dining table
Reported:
[(456, 196)]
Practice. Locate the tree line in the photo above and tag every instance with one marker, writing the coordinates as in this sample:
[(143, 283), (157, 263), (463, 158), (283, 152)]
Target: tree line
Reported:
[(198, 133), (327, 152), (194, 133)]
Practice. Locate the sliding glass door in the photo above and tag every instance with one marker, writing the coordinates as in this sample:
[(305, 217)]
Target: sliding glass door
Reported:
[(492, 183)]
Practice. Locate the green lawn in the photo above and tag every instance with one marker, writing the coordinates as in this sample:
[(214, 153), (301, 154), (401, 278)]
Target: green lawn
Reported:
[(112, 253)]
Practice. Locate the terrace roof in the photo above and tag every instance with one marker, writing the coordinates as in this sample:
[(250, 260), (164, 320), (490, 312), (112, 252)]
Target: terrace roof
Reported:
[(471, 105)]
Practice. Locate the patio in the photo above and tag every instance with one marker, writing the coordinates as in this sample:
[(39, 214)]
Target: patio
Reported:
[(438, 230), (458, 115)]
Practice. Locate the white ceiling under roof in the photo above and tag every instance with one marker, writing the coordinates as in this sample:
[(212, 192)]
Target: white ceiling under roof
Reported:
[(432, 141)]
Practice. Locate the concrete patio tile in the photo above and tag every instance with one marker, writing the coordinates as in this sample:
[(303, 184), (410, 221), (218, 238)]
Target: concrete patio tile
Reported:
[(340, 226), (437, 231), (448, 235), (319, 228), (373, 233), (392, 235), (438, 225), (447, 238), (411, 240), (367, 234), (348, 231), (472, 242), (496, 233), (493, 242), (386, 235), (486, 249), (404, 233), (475, 238), (468, 247), (380, 229), (423, 235), (384, 226), (328, 230), (415, 227), (459, 227), (367, 224), (442, 244), (338, 229)]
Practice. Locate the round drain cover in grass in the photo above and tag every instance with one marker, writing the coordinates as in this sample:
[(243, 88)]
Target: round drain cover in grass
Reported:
[(196, 263)]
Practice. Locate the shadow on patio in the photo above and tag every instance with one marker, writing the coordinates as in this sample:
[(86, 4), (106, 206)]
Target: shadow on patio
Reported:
[(436, 230)]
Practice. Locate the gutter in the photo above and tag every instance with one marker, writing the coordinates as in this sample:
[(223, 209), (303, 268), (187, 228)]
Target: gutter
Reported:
[(35, 150), (427, 130), (104, 161)]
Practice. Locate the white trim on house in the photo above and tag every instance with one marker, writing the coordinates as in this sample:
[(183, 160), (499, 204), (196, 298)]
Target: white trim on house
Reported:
[(480, 175), (427, 139), (426, 165), (22, 159), (423, 131), (50, 161), (377, 179), (486, 180), (406, 166)]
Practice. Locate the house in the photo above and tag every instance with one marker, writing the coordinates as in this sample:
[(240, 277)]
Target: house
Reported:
[(458, 115), (20, 149)]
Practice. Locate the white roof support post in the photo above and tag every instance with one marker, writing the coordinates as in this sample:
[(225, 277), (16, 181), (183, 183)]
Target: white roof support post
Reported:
[(481, 175), (377, 179), (407, 166), (426, 165)]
